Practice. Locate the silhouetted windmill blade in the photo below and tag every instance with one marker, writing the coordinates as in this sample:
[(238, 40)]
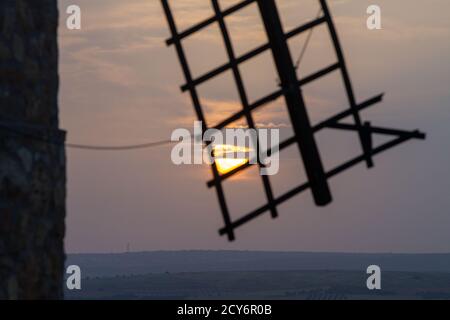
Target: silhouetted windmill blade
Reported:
[(346, 79), (290, 89), (243, 96), (295, 103)]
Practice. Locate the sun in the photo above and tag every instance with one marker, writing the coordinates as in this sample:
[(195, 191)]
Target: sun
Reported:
[(228, 163)]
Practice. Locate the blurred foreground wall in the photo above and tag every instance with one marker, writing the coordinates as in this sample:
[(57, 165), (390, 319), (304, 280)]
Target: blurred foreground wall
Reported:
[(32, 157)]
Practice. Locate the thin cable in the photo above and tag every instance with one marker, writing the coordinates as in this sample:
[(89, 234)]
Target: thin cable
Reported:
[(305, 46), (15, 128), (148, 145)]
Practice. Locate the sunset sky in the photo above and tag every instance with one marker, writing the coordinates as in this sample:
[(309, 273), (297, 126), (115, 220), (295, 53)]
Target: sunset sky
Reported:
[(120, 85)]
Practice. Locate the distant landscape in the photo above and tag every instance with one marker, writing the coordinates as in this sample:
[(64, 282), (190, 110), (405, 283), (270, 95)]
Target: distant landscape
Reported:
[(259, 275), (101, 265)]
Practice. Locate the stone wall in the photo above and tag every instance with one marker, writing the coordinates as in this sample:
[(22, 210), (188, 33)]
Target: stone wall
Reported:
[(32, 156)]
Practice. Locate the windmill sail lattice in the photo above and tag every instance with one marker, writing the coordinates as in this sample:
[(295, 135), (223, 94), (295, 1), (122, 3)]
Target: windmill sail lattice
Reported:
[(290, 90)]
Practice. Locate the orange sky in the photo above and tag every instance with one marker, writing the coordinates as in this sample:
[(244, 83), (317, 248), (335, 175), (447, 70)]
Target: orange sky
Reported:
[(120, 85)]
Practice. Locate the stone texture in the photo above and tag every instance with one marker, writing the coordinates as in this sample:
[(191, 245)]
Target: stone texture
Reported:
[(32, 156)]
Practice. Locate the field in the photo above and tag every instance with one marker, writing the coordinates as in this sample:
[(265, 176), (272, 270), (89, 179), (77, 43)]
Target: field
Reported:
[(315, 285)]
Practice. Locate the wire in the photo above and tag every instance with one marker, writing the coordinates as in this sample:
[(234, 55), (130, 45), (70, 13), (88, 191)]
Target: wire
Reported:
[(148, 145), (15, 128), (305, 46)]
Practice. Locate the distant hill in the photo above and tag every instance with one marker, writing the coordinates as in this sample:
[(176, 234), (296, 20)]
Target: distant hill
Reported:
[(104, 265)]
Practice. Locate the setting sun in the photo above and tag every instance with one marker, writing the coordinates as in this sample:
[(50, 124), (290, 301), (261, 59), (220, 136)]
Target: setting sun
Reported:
[(225, 160)]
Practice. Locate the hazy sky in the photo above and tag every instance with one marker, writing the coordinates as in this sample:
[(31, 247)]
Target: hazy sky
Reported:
[(120, 85)]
